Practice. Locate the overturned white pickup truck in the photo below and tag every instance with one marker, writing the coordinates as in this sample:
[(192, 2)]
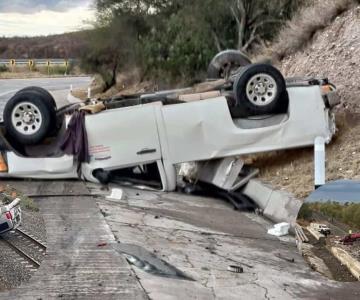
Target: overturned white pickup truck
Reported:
[(141, 138)]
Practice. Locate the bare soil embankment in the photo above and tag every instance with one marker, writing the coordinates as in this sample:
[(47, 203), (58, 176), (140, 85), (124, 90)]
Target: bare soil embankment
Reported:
[(333, 51)]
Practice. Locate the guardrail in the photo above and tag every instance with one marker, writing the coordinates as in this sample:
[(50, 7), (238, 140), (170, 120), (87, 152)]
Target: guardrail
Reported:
[(29, 65), (37, 62)]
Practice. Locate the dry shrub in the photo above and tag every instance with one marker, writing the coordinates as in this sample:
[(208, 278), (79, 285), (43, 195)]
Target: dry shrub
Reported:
[(299, 31)]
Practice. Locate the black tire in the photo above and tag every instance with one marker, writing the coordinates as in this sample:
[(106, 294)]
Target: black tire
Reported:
[(42, 118), (226, 62), (40, 90), (260, 89), (58, 122)]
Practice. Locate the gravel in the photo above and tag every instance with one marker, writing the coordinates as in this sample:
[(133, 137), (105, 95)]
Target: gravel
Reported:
[(338, 271), (33, 223), (14, 270), (354, 249), (3, 286), (334, 53)]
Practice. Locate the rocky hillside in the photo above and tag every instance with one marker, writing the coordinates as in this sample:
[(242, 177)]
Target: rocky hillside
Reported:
[(327, 46), (335, 53)]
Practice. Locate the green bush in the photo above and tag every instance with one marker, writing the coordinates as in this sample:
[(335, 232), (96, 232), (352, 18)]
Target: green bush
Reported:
[(348, 213), (305, 212), (59, 70), (3, 68), (54, 70), (177, 39)]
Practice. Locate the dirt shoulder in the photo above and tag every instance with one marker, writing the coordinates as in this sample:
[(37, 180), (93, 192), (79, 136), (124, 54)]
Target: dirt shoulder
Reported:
[(293, 170)]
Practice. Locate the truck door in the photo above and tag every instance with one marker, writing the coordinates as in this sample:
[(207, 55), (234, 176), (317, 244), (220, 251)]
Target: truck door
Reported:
[(123, 137)]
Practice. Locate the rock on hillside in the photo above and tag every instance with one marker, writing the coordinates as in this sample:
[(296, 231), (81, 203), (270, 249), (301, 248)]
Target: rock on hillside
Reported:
[(334, 53)]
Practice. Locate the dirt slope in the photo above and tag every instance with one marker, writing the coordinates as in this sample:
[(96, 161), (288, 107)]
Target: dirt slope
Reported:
[(333, 52)]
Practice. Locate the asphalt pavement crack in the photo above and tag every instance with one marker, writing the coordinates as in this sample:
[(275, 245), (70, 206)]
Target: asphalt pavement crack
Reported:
[(147, 294), (233, 260), (211, 288), (188, 261), (256, 282)]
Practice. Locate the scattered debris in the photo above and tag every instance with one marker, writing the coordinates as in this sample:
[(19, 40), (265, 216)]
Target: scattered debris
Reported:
[(116, 194), (276, 205), (300, 235), (239, 201), (350, 239), (280, 229), (291, 260), (235, 269)]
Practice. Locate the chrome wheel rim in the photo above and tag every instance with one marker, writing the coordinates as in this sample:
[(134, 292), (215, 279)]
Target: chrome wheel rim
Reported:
[(26, 118), (261, 89)]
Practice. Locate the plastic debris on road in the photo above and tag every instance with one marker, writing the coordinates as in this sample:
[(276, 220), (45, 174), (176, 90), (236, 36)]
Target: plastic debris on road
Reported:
[(280, 229), (116, 194)]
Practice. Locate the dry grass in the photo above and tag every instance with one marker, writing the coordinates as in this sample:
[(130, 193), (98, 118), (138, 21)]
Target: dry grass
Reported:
[(21, 75), (26, 75), (293, 170), (299, 31), (127, 83)]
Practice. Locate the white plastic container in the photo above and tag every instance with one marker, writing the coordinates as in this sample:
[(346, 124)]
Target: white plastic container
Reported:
[(280, 229)]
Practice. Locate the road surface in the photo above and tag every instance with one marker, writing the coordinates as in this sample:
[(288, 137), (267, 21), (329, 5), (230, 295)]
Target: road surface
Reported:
[(105, 248), (59, 87)]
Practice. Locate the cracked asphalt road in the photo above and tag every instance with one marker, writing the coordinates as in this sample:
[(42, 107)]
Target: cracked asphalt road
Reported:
[(202, 237)]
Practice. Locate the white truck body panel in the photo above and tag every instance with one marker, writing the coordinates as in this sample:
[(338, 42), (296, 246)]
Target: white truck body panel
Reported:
[(204, 130), (116, 137), (194, 131)]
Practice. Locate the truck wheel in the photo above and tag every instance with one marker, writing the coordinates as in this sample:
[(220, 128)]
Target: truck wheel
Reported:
[(40, 90), (227, 63), (29, 118), (48, 98), (261, 89)]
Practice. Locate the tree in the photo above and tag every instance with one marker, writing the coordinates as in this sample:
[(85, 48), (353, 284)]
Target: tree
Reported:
[(108, 49), (177, 38), (260, 19)]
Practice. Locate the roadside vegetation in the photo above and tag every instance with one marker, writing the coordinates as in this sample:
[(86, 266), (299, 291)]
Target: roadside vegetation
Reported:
[(348, 213), (37, 71), (175, 40), (312, 18)]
